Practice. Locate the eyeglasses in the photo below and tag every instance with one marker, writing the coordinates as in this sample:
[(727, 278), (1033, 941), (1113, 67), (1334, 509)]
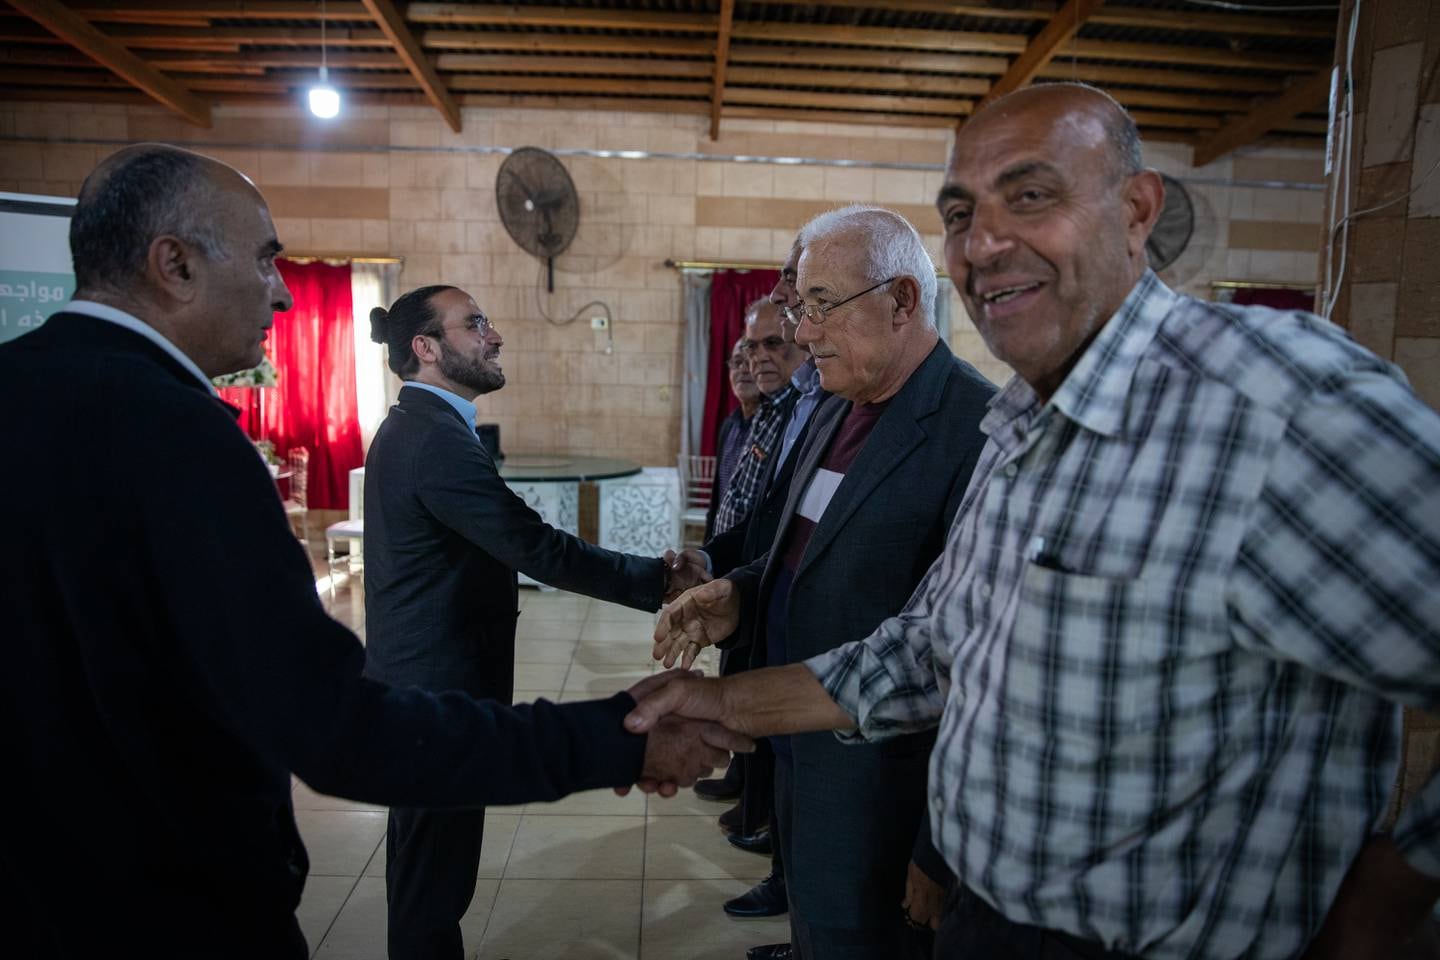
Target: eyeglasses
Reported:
[(479, 324), (770, 343), (739, 363), (818, 313)]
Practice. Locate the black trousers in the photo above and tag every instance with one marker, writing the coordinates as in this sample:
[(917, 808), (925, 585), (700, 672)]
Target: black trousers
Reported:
[(970, 929), (826, 941), (432, 857)]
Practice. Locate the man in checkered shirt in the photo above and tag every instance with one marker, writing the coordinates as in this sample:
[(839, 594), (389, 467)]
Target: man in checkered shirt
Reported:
[(1192, 580)]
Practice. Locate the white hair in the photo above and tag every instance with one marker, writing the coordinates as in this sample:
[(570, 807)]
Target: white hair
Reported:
[(894, 247)]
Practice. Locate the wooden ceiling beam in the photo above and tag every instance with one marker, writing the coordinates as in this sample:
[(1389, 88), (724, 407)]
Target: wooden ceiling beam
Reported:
[(496, 15), (837, 116), (1042, 49), (73, 28), (879, 59), (162, 11), (178, 38), (954, 41), (848, 101), (606, 66), (559, 42), (722, 59), (1305, 95), (858, 80), (579, 86), (394, 28), (277, 59)]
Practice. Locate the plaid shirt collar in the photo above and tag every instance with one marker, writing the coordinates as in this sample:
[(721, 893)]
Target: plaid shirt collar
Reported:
[(1096, 391)]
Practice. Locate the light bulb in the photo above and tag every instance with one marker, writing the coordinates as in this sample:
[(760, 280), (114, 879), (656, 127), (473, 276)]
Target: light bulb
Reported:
[(324, 99)]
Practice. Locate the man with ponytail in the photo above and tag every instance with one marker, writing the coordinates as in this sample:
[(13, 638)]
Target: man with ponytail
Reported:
[(444, 537)]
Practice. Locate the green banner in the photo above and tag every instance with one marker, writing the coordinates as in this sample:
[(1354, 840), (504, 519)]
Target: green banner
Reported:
[(27, 298)]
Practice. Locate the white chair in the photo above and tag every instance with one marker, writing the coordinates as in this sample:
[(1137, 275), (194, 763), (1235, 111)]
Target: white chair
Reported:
[(697, 484), (354, 532)]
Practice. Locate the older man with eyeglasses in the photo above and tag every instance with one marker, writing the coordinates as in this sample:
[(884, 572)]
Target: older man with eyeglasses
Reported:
[(876, 485)]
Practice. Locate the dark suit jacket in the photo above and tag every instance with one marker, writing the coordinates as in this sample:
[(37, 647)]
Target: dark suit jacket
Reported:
[(744, 542), (858, 809), (734, 421), (169, 664), (444, 536)]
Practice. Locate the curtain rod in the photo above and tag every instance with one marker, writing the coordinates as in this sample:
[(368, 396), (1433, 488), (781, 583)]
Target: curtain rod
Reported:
[(1261, 285), (337, 261), (703, 265), (720, 265)]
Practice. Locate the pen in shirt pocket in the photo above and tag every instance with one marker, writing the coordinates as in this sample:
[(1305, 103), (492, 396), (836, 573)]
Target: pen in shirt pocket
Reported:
[(1036, 553)]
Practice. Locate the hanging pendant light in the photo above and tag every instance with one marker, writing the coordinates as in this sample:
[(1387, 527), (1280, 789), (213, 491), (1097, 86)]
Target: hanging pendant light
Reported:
[(324, 99)]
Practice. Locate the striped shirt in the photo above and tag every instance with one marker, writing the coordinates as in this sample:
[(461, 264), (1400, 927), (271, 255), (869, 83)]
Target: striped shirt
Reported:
[(763, 441), (1168, 633)]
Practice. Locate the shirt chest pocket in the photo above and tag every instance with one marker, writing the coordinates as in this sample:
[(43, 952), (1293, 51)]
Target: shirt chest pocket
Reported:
[(1088, 668)]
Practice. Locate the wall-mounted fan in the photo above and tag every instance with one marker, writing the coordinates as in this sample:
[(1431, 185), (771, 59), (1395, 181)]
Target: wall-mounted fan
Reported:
[(538, 204), (1173, 229)]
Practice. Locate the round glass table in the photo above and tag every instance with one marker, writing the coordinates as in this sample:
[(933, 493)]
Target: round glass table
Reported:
[(563, 468)]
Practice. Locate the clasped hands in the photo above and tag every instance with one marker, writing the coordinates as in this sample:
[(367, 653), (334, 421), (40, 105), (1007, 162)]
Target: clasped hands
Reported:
[(683, 713), (683, 570)]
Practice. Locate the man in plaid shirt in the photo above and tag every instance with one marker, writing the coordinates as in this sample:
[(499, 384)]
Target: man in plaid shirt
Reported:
[(763, 345), (1190, 583)]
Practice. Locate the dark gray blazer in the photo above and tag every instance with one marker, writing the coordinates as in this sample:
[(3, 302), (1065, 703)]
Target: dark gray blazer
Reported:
[(444, 536), (858, 809)]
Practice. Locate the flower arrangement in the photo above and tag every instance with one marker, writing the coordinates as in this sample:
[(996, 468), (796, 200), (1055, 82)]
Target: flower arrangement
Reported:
[(262, 376)]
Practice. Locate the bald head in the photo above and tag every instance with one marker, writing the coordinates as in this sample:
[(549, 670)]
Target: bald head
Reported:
[(1094, 115), (138, 194)]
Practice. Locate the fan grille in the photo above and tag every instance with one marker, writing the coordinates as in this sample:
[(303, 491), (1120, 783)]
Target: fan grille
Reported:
[(537, 201)]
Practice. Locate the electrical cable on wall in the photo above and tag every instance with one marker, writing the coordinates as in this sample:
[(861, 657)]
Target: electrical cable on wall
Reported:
[(609, 318)]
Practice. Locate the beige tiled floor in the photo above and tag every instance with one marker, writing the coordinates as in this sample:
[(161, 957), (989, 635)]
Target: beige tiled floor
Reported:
[(591, 876)]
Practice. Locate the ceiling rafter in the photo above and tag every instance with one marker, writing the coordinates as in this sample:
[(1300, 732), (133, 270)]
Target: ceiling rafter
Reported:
[(1306, 95), (1039, 51), (722, 56), (73, 29), (394, 27)]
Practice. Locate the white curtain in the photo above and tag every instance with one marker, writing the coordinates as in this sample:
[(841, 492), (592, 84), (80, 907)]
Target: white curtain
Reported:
[(697, 353), (372, 285)]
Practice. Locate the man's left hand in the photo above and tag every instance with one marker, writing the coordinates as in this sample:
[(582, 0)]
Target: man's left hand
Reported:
[(1379, 908), (924, 899), (684, 570)]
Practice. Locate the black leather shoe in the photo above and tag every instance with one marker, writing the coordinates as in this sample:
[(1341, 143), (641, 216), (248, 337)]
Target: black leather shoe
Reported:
[(721, 790), (733, 819), (765, 899), (771, 951), (757, 842)]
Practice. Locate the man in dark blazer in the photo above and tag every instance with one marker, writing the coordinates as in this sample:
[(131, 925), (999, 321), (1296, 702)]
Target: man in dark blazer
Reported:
[(168, 661), (444, 537), (730, 435), (747, 825), (877, 484)]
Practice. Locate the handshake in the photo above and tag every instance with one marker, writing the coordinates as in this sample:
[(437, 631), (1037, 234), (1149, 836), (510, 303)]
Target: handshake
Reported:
[(693, 720), (675, 708)]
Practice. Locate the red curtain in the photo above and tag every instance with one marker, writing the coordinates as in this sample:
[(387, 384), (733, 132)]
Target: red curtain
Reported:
[(731, 291), (314, 405)]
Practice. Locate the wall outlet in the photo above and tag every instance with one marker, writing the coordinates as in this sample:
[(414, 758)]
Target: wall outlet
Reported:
[(599, 323)]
